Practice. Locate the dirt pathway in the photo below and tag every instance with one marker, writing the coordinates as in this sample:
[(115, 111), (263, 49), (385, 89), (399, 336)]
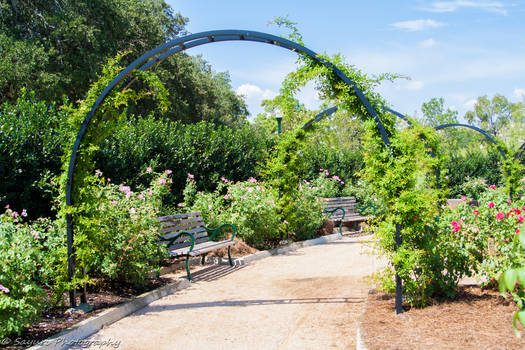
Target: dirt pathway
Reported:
[(307, 299)]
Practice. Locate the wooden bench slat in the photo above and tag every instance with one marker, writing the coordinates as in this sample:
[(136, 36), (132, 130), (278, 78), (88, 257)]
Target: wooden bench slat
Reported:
[(193, 223), (212, 246), (178, 216), (328, 199), (181, 222), (190, 226), (184, 244), (192, 231), (201, 248)]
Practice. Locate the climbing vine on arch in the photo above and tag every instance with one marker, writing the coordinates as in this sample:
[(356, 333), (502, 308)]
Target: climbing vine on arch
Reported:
[(401, 172), (85, 209)]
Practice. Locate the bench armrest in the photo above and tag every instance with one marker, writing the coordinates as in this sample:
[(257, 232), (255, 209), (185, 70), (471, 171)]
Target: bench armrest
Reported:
[(174, 238), (212, 232), (332, 211), (365, 207)]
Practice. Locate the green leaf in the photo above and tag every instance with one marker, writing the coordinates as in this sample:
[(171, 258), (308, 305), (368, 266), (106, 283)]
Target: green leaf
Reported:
[(521, 277), (510, 278), (502, 287), (519, 315)]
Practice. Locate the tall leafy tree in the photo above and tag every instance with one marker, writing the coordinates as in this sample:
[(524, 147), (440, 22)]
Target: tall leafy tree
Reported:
[(57, 48), (434, 113), (491, 114)]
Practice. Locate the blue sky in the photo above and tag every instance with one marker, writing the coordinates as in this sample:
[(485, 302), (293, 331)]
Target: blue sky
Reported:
[(457, 50)]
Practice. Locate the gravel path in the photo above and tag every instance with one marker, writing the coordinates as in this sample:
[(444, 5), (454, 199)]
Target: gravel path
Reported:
[(310, 298)]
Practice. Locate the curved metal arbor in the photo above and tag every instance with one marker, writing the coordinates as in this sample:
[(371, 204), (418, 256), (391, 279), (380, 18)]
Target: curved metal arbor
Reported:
[(165, 50), (481, 131)]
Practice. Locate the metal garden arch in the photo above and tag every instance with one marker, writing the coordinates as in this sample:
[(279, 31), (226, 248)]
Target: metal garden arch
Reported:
[(153, 57)]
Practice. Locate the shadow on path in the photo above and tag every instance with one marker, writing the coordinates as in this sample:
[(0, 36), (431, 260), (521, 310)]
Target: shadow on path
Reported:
[(256, 302), (214, 272)]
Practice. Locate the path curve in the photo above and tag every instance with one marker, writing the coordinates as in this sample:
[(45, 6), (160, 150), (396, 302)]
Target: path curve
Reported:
[(310, 298)]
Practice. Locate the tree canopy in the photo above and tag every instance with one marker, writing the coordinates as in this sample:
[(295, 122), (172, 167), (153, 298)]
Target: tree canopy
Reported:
[(57, 48)]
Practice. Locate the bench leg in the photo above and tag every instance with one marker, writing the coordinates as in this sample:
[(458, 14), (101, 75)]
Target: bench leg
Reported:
[(341, 229), (188, 268), (203, 259), (230, 255)]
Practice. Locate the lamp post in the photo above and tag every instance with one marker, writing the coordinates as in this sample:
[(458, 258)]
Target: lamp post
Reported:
[(279, 119)]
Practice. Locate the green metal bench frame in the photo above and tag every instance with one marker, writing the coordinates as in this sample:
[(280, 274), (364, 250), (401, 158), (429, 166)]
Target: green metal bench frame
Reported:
[(359, 209), (211, 234)]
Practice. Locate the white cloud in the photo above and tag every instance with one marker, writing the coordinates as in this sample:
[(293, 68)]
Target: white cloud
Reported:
[(253, 95), (469, 105), (412, 85), (418, 24), (519, 93), (452, 6), (425, 44)]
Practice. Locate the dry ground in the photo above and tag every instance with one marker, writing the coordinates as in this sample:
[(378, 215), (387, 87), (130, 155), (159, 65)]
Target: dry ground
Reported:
[(311, 298)]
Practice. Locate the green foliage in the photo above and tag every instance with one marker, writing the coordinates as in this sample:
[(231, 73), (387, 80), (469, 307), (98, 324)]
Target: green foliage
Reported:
[(126, 247), (472, 164), (283, 171), (491, 115), (204, 149), (435, 114), (31, 136), (249, 205), (72, 39), (21, 298), (85, 196), (407, 184), (58, 48)]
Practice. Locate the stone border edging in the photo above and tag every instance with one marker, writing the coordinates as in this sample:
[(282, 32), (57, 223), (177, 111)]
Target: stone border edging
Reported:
[(359, 343), (75, 334)]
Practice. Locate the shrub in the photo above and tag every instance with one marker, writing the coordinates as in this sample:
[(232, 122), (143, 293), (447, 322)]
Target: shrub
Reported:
[(201, 148), (249, 205), (473, 163), (21, 298), (126, 247), (31, 136), (309, 213)]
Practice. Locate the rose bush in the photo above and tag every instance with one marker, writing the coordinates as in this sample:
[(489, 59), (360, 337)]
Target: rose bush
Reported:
[(21, 297)]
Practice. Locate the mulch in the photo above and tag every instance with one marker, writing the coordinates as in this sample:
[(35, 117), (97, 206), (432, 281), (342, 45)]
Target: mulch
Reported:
[(477, 319)]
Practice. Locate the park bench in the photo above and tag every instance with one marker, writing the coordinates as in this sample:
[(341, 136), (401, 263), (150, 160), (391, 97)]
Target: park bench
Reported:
[(345, 210), (185, 235)]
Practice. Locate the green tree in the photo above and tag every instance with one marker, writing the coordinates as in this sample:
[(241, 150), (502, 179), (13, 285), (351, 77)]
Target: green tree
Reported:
[(58, 47), (491, 114), (434, 113)]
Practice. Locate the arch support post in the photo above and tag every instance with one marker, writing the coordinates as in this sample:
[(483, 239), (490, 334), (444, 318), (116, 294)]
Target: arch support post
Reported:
[(70, 260), (399, 284)]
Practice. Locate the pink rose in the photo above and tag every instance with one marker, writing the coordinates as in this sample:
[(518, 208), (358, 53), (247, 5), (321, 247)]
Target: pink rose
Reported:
[(492, 187), (210, 207), (521, 218), (475, 212), (162, 181), (500, 216), (191, 176), (464, 198), (132, 210), (168, 172), (491, 205), (149, 170)]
